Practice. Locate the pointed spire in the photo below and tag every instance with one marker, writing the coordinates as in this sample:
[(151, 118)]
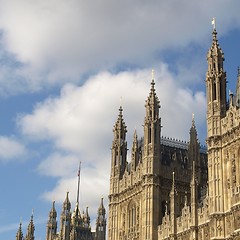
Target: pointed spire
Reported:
[(53, 212), (86, 219), (215, 49), (135, 154), (101, 209), (66, 203), (19, 235), (101, 222), (193, 130), (120, 124), (30, 229), (65, 219), (52, 223), (152, 103)]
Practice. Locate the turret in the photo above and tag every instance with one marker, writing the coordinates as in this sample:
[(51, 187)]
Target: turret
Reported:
[(194, 150), (216, 111), (19, 235), (101, 222), (30, 230), (86, 219), (216, 87), (119, 146), (135, 153), (152, 132), (66, 219), (52, 223), (77, 220)]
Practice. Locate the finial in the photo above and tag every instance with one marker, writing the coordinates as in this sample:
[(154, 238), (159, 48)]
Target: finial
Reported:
[(193, 118), (121, 101), (152, 74), (214, 23)]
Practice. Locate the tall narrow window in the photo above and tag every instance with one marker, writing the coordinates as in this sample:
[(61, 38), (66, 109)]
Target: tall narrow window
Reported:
[(214, 91)]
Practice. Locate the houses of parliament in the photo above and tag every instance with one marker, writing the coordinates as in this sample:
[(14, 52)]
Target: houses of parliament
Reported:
[(169, 189)]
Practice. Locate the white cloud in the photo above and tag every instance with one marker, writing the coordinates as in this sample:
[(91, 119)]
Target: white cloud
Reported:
[(79, 124), (58, 165), (59, 41), (11, 149)]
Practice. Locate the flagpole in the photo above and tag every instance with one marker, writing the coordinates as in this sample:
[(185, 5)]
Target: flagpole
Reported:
[(79, 169)]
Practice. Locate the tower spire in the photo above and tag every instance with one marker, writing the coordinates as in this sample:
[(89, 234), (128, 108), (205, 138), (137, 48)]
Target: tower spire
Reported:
[(101, 222), (19, 235), (52, 223), (30, 229)]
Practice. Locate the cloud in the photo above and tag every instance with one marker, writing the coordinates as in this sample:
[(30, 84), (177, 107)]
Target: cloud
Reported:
[(59, 42), (11, 149), (78, 125)]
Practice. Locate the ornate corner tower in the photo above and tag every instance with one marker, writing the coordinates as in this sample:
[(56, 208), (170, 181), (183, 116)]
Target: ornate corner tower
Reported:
[(119, 147), (52, 223), (151, 167), (118, 166), (30, 230), (216, 110), (65, 225), (194, 151), (101, 222)]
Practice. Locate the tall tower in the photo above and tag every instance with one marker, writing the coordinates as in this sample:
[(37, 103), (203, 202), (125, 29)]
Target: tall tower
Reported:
[(65, 219), (101, 222), (30, 230), (151, 167), (52, 223), (216, 110), (118, 166)]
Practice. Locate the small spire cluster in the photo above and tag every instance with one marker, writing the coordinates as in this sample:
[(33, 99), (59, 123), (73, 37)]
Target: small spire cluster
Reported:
[(30, 231)]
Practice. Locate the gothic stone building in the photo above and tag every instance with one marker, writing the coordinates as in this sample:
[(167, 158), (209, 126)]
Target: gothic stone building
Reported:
[(73, 225), (174, 190)]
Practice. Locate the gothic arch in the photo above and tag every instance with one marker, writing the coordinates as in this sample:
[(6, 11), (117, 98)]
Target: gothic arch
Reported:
[(132, 215)]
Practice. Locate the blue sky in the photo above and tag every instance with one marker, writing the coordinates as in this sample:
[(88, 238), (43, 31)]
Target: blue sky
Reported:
[(64, 66)]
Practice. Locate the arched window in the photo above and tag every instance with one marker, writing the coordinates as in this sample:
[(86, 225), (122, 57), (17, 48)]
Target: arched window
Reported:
[(132, 216)]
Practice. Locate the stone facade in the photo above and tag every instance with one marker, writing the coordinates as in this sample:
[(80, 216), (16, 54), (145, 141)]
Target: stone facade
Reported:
[(74, 225), (175, 190)]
